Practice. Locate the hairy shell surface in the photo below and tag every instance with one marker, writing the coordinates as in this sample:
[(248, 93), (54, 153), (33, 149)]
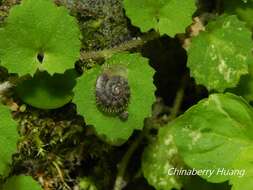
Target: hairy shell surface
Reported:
[(112, 90)]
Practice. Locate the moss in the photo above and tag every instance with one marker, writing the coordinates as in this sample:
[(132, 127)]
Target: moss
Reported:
[(5, 6), (102, 22), (57, 148)]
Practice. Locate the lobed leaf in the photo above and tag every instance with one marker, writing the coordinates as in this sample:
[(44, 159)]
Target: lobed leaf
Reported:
[(140, 79), (168, 17), (39, 35)]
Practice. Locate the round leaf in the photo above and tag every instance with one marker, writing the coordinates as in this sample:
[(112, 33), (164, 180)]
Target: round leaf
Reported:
[(8, 139), (168, 17), (140, 79), (39, 35), (220, 55), (47, 92)]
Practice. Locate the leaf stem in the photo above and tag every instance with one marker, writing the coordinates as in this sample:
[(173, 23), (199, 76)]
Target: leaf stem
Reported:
[(178, 99), (136, 42), (177, 103)]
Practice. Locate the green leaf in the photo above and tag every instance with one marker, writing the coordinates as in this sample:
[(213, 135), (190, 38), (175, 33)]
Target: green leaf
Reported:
[(244, 163), (168, 17), (244, 10), (140, 80), (8, 139), (220, 55), (39, 29), (21, 182), (47, 92), (158, 158), (197, 183), (213, 133), (86, 183), (245, 86)]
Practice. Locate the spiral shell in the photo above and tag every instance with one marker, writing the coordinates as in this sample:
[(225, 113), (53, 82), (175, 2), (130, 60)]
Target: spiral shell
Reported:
[(112, 90)]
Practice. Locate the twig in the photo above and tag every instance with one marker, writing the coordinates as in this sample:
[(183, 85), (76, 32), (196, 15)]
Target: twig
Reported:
[(136, 42)]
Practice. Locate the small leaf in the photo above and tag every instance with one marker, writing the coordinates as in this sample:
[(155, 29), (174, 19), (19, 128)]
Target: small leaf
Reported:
[(168, 17), (47, 92), (8, 139), (220, 55), (39, 35), (213, 133), (140, 80), (158, 159), (21, 182)]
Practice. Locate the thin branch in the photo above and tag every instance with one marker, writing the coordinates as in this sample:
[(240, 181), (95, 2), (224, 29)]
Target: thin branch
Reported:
[(136, 42)]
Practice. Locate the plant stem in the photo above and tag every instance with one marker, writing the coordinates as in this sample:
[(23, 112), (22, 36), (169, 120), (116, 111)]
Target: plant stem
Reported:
[(119, 182), (177, 103), (178, 99), (122, 47)]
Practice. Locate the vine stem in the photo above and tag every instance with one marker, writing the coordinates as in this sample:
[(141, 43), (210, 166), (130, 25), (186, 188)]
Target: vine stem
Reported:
[(136, 42)]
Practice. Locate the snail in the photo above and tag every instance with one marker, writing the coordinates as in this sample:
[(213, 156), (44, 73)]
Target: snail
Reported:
[(113, 91)]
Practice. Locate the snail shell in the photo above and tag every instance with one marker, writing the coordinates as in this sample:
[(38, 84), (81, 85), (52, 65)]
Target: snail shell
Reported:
[(112, 90)]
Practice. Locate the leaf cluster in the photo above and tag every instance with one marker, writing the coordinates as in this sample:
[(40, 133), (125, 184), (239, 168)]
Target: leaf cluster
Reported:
[(41, 42)]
